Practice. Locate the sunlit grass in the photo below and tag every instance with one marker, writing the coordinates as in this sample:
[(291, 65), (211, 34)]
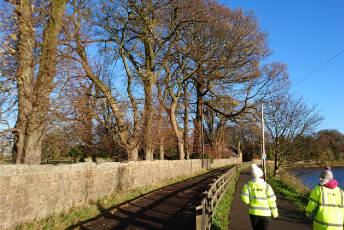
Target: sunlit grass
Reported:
[(220, 220), (290, 187)]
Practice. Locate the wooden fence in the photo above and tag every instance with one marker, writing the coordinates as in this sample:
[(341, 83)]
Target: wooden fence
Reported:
[(205, 212)]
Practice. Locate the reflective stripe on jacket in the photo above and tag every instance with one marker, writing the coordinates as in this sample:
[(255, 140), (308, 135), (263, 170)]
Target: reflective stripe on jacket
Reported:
[(326, 208), (260, 198)]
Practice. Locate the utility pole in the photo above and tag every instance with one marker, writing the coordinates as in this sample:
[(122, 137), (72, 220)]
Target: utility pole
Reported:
[(263, 144), (202, 137)]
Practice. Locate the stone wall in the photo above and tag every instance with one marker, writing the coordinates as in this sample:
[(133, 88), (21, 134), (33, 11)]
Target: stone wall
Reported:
[(29, 192)]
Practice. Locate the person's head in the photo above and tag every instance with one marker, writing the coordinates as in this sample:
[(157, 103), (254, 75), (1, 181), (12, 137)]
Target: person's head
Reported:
[(256, 171), (325, 175)]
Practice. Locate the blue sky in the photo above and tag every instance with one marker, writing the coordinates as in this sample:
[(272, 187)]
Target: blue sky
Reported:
[(306, 34)]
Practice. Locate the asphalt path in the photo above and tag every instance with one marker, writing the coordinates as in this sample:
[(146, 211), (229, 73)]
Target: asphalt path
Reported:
[(290, 218), (172, 207)]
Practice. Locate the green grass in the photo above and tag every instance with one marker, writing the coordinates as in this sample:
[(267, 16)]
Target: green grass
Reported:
[(6, 160), (77, 215), (220, 220), (291, 188), (285, 183)]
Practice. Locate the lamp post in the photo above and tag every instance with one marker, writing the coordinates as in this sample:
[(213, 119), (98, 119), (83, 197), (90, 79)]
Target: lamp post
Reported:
[(263, 144), (202, 137)]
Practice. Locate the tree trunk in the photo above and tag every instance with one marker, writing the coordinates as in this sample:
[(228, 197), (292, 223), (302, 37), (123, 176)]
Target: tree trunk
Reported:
[(216, 145), (128, 141), (28, 146), (161, 148), (186, 123), (24, 75), (33, 146), (197, 146), (162, 99), (275, 166), (133, 154), (33, 97), (178, 134), (88, 135), (148, 118)]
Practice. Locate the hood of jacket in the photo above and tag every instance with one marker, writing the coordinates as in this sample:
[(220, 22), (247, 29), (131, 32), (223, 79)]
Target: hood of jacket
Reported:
[(332, 184), (258, 180)]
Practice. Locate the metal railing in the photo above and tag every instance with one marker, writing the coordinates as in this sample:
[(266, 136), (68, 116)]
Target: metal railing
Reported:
[(205, 212)]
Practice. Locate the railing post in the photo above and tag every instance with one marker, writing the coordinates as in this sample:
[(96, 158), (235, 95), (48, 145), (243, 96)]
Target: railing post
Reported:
[(204, 214), (199, 216)]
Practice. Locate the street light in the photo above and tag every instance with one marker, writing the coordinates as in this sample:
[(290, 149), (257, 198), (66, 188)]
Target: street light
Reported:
[(263, 144)]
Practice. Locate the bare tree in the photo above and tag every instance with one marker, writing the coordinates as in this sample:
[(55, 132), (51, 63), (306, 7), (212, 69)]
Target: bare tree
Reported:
[(162, 96), (287, 120), (8, 92), (227, 49), (144, 33), (34, 86), (248, 133), (216, 131), (78, 39), (186, 120)]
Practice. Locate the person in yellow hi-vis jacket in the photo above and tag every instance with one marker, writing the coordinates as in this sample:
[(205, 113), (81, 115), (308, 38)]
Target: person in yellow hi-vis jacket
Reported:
[(261, 200), (326, 203)]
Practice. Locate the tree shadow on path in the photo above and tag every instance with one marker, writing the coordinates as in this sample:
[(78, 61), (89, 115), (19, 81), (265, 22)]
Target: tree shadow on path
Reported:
[(172, 207)]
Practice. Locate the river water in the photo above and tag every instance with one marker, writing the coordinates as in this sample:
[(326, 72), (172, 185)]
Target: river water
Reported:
[(310, 176)]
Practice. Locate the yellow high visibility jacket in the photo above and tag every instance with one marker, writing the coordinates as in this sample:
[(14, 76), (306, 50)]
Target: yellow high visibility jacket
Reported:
[(260, 198), (326, 208)]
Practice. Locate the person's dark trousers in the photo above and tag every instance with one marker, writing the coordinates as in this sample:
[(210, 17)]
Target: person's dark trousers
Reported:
[(260, 222)]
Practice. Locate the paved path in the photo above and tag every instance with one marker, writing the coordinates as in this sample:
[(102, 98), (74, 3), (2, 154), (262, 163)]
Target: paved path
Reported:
[(290, 218), (172, 207)]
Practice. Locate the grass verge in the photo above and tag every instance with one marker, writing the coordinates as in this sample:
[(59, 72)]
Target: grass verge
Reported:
[(5, 160), (220, 220), (290, 187), (72, 218)]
